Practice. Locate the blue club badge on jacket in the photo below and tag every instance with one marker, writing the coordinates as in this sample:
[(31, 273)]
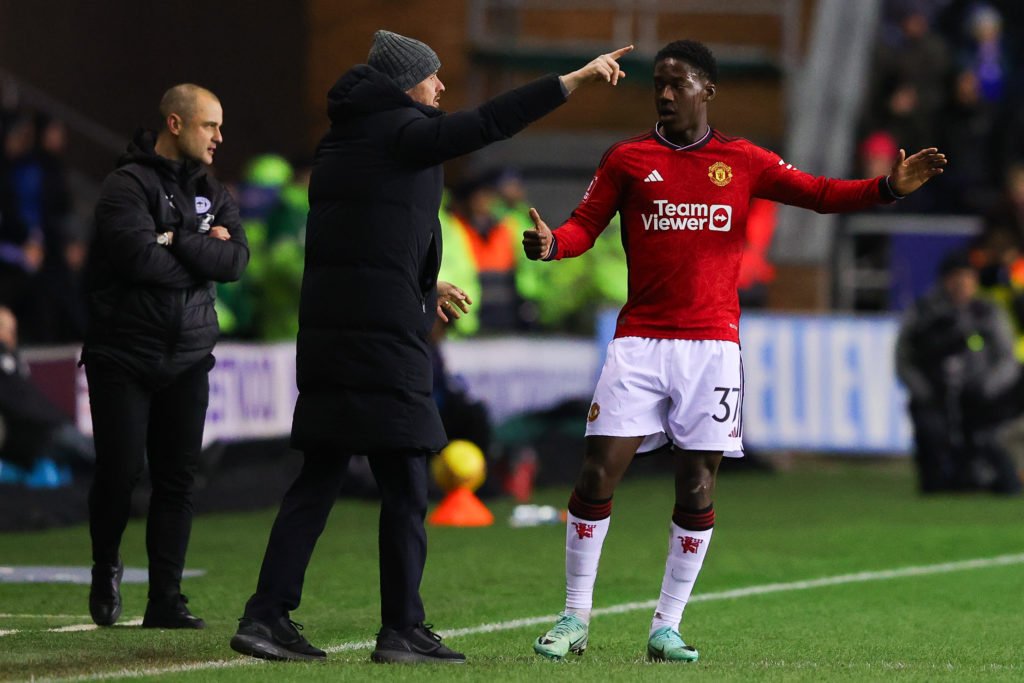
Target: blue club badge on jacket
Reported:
[(203, 205)]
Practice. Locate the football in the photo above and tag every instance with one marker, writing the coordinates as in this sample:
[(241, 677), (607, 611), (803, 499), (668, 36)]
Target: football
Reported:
[(460, 465)]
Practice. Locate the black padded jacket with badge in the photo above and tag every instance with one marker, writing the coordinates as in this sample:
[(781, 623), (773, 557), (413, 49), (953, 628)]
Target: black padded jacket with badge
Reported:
[(373, 250), (151, 306)]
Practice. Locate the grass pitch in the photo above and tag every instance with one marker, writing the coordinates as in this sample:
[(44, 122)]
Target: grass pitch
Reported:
[(797, 586)]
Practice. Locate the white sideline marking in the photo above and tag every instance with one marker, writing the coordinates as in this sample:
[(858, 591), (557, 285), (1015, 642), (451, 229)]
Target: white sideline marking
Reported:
[(62, 629), (860, 577), (93, 627), (44, 616)]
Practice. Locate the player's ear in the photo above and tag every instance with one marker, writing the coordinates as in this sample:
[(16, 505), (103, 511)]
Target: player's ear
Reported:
[(709, 91)]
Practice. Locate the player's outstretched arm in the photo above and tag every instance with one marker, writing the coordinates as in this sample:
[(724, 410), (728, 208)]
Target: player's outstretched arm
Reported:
[(537, 242), (910, 173), (451, 300), (604, 68)]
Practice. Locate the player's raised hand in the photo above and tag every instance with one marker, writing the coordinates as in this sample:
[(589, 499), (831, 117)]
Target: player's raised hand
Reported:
[(537, 242), (910, 173), (604, 68)]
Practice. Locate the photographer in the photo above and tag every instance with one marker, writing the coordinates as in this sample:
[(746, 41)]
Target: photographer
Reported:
[(954, 353)]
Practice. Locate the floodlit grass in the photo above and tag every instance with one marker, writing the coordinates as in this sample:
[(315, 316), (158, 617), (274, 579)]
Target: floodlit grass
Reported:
[(822, 518)]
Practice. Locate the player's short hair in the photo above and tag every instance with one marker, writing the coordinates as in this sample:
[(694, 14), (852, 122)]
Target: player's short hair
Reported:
[(182, 100), (693, 53)]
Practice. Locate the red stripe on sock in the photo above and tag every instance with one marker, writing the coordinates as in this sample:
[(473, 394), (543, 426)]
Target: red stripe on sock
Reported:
[(591, 510), (694, 520)]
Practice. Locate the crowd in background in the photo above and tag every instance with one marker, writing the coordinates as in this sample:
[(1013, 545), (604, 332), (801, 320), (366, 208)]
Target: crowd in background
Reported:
[(949, 74), (946, 73), (43, 241)]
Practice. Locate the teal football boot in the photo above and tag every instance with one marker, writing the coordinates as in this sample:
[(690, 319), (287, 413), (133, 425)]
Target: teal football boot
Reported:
[(569, 634), (666, 645)]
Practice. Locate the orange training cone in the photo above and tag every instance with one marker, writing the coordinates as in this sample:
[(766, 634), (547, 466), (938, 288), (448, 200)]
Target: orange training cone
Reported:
[(461, 507)]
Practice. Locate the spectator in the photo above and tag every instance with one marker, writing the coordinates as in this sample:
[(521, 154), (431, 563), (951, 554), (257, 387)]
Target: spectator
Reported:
[(876, 153), (21, 235), (458, 266), (969, 134), (59, 285), (756, 271), (493, 242), (29, 421), (1000, 264), (913, 54), (902, 116), (277, 317), (510, 198), (1008, 212), (239, 304), (986, 53), (954, 353)]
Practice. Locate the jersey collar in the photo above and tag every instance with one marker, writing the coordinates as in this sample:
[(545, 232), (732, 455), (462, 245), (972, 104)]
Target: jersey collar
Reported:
[(681, 148)]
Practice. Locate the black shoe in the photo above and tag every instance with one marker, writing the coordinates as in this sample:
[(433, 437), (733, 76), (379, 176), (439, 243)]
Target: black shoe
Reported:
[(170, 614), (413, 645), (278, 640), (105, 593)]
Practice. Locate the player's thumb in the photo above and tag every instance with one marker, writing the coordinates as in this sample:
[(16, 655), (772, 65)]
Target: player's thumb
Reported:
[(538, 224)]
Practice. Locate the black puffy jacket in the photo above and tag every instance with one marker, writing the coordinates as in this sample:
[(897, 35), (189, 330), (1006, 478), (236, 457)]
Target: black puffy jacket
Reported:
[(151, 307), (373, 249)]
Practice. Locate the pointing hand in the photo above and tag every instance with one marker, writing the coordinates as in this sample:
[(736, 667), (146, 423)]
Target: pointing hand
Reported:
[(604, 68)]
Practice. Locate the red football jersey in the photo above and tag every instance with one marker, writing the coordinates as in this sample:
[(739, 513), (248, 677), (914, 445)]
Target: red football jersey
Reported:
[(684, 218)]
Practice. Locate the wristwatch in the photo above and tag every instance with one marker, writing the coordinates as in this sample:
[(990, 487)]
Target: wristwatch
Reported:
[(164, 238)]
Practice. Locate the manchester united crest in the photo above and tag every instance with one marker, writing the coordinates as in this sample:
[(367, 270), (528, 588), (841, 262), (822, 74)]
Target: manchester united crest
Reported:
[(719, 173), (595, 410)]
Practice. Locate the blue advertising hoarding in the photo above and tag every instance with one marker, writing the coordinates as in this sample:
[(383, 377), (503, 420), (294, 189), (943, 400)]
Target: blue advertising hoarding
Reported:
[(823, 383)]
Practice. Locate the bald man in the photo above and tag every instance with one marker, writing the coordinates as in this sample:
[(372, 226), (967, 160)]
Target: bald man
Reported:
[(165, 233)]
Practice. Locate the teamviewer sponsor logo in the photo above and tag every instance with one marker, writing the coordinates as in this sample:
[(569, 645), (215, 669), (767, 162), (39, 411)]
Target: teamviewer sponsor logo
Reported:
[(669, 216), (721, 217)]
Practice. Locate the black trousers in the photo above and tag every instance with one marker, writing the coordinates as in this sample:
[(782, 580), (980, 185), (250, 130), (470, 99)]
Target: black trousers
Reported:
[(948, 451), (137, 419), (401, 538)]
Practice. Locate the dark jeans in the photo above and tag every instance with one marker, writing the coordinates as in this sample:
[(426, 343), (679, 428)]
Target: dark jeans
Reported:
[(133, 419), (401, 538)]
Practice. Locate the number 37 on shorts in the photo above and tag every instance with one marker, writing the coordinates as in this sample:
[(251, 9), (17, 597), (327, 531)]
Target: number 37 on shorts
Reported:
[(686, 391)]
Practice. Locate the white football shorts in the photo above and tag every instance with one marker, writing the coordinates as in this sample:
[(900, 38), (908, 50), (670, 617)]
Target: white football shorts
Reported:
[(689, 392)]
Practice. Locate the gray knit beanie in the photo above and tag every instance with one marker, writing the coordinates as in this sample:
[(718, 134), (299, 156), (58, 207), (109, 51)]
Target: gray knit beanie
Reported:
[(405, 60)]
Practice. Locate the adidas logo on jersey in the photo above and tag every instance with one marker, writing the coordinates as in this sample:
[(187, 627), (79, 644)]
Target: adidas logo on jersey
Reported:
[(669, 216), (654, 177)]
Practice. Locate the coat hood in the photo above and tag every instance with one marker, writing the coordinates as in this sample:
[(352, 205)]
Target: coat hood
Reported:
[(363, 90), (142, 150)]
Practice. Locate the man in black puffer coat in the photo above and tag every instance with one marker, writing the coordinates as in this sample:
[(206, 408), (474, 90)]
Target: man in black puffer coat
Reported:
[(165, 232), (369, 297)]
